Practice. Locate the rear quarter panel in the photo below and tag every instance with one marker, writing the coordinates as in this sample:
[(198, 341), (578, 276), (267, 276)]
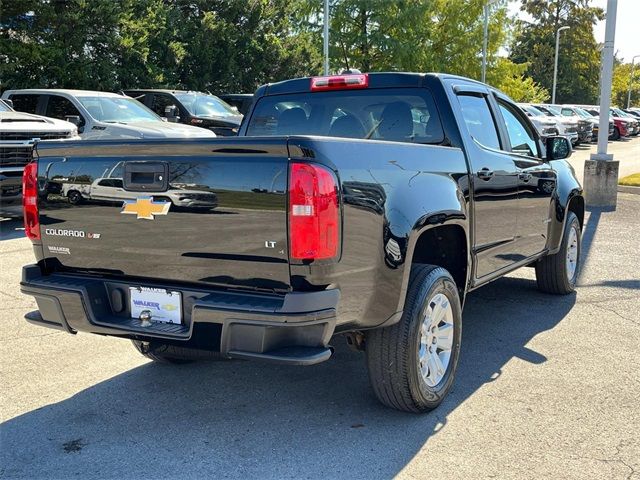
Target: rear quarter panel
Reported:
[(391, 193)]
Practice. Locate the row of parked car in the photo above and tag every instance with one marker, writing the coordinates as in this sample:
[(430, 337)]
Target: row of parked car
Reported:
[(30, 114), (580, 123)]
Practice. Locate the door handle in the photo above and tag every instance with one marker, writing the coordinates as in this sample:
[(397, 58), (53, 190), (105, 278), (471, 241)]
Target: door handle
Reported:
[(485, 173), (143, 176)]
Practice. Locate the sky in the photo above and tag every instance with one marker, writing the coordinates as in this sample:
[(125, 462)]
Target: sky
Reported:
[(627, 42)]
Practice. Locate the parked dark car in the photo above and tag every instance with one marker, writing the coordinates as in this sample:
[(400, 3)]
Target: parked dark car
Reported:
[(193, 108), (242, 101), (365, 206)]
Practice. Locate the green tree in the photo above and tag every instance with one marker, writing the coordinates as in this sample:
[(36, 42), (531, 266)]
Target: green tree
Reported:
[(512, 80), (622, 81), (579, 54), (59, 44), (217, 45), (420, 36)]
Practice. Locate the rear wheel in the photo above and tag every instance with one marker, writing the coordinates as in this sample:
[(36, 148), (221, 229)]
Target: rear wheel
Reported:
[(412, 364), (558, 273), (75, 197)]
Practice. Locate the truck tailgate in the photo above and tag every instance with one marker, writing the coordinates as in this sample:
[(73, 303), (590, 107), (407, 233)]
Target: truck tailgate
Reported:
[(220, 219)]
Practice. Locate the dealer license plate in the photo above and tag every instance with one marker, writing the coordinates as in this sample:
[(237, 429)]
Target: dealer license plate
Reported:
[(163, 305)]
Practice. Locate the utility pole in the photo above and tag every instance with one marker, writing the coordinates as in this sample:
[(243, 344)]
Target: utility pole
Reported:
[(601, 171), (555, 65), (485, 41), (631, 81), (326, 37)]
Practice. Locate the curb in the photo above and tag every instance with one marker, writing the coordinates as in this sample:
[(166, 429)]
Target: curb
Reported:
[(628, 189)]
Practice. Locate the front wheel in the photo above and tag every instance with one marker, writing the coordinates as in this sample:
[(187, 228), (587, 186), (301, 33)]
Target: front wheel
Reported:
[(412, 364), (558, 273), (74, 197), (616, 134)]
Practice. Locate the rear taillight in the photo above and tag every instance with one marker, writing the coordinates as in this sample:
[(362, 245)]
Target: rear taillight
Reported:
[(339, 82), (30, 201), (314, 215)]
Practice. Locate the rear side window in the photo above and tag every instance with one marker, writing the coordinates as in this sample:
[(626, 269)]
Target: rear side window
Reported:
[(393, 114), (25, 103), (479, 120)]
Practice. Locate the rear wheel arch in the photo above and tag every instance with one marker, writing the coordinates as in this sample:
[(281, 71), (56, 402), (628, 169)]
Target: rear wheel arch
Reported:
[(576, 205), (445, 246)]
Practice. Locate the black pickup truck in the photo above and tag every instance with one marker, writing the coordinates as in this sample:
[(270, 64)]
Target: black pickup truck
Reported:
[(363, 205)]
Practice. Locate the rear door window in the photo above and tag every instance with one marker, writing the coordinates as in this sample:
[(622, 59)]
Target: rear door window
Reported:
[(523, 140), (60, 107), (25, 102), (479, 120), (394, 114)]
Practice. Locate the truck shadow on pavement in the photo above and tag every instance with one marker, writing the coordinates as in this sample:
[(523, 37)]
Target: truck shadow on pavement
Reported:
[(243, 419)]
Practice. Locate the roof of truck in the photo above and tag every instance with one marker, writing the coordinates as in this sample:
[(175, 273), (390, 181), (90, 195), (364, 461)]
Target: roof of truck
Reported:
[(64, 91), (160, 90), (376, 80)]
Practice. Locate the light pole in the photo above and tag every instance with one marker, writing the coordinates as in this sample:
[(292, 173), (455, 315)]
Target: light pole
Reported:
[(601, 170), (326, 37), (485, 40), (555, 64), (631, 81)]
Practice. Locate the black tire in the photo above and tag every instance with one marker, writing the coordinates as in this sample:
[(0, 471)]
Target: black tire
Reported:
[(75, 197), (616, 134), (392, 353), (551, 271)]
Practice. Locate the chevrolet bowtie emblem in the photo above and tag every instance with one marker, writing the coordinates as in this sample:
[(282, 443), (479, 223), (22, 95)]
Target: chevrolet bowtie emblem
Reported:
[(145, 207)]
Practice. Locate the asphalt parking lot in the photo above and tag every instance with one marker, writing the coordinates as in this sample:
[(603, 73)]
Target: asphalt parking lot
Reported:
[(547, 387)]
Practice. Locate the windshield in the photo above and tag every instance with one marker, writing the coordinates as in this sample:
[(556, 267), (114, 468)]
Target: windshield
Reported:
[(555, 111), (583, 113), (118, 110), (202, 105), (534, 111), (621, 113), (546, 111), (4, 107), (392, 114)]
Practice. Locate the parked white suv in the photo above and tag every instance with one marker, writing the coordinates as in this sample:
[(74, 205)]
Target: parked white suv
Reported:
[(546, 126), (18, 131), (101, 115), (566, 127)]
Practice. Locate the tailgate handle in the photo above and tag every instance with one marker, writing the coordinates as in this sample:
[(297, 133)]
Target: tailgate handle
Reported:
[(146, 176)]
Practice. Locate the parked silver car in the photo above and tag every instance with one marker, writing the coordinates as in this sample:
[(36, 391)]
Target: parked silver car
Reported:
[(101, 115)]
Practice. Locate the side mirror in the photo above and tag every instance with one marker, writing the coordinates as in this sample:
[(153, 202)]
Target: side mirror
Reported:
[(558, 148), (171, 113), (75, 119), (8, 102)]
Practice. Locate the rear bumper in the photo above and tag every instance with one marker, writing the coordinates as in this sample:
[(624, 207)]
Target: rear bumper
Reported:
[(293, 328)]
